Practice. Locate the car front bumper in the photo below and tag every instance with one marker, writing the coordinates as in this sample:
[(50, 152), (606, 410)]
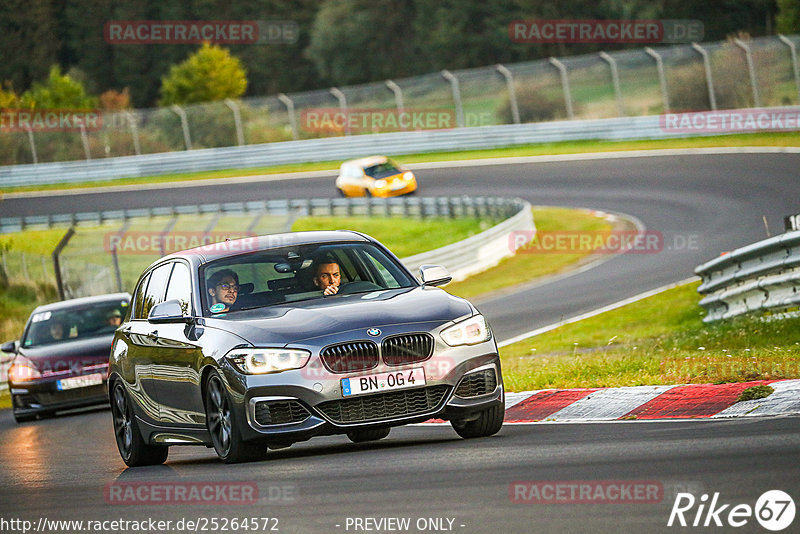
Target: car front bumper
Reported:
[(297, 405)]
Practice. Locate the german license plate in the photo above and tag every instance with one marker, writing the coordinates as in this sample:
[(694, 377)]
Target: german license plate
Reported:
[(383, 381), (80, 381)]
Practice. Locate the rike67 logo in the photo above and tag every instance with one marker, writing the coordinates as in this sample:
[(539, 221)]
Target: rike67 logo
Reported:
[(774, 510)]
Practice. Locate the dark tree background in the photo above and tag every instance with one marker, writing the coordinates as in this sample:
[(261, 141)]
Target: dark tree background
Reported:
[(341, 41)]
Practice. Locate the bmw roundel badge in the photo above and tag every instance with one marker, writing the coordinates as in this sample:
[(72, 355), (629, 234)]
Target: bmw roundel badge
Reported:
[(374, 332)]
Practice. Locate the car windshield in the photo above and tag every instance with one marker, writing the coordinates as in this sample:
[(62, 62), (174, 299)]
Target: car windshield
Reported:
[(382, 170), (58, 326), (292, 274)]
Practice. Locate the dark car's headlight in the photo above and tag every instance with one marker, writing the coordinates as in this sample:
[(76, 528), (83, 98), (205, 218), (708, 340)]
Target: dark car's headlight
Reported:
[(467, 332), (262, 361)]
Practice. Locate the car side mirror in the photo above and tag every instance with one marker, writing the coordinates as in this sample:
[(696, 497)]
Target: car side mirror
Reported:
[(169, 311), (10, 347), (434, 275)]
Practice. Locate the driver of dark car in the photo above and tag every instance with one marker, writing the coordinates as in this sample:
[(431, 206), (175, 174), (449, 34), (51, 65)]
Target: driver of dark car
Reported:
[(327, 276), (223, 289)]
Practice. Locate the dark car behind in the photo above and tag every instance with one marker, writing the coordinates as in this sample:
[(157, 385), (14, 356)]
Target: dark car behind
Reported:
[(61, 360)]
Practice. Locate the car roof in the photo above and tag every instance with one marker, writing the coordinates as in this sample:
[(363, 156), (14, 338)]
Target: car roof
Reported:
[(367, 162), (82, 301), (204, 254)]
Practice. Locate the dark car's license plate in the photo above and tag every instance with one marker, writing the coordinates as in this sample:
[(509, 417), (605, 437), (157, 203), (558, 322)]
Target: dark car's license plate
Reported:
[(408, 378)]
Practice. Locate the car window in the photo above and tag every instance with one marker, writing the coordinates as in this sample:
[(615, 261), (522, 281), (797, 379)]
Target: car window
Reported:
[(286, 275), (154, 294), (382, 170), (99, 319), (139, 297), (180, 287)]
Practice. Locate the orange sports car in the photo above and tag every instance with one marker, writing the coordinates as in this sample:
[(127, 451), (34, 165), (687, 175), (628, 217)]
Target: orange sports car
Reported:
[(375, 176)]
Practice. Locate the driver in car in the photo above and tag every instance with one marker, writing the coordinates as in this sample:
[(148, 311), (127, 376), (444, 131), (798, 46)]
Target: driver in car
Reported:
[(223, 288), (327, 276)]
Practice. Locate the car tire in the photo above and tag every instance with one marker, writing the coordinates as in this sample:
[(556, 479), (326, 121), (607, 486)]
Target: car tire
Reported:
[(368, 434), (221, 424), (487, 423), (132, 448)]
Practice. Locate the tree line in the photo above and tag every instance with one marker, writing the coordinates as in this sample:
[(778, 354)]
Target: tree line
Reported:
[(339, 42)]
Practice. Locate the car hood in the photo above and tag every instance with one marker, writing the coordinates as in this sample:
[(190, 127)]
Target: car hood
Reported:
[(301, 322), (69, 353)]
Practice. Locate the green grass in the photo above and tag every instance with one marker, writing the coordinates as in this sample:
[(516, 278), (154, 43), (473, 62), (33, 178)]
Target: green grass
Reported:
[(568, 147), (658, 340), (525, 267), (404, 237)]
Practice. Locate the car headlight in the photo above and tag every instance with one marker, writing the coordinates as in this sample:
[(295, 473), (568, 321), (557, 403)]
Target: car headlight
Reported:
[(380, 184), (262, 361), (468, 332), (23, 370), (408, 176)]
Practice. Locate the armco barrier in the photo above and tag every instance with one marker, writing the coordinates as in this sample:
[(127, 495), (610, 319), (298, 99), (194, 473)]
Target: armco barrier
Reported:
[(338, 148), (763, 276)]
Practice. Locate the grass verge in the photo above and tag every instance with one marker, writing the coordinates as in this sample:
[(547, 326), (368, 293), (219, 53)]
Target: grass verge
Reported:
[(404, 237), (525, 267), (658, 340), (541, 149)]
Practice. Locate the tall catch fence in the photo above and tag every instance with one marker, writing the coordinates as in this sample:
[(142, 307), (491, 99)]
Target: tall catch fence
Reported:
[(648, 81)]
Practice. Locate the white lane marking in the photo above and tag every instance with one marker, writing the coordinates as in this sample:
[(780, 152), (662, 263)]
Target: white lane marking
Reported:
[(784, 401), (598, 311)]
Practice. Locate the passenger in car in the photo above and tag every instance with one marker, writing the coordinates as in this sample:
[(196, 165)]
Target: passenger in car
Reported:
[(223, 288), (327, 275)]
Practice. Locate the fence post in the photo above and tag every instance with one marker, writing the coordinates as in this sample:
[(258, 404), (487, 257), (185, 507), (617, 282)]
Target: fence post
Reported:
[(286, 101), (456, 96), (31, 142), (562, 70), (57, 261), (748, 56), (512, 92), (793, 53), (187, 139), (237, 120), (662, 79), (134, 133), (398, 97), (342, 106), (712, 99), (615, 80), (85, 141)]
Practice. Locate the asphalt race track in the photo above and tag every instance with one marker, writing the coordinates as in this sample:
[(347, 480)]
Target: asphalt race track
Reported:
[(68, 467)]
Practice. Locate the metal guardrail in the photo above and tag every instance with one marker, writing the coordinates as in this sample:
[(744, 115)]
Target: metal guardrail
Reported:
[(482, 251), (406, 206), (337, 148), (763, 276)]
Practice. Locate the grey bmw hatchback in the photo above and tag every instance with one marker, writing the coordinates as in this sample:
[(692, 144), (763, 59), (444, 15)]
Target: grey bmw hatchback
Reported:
[(261, 342)]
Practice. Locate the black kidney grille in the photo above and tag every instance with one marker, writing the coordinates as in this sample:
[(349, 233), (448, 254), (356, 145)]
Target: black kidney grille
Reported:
[(382, 406), (477, 384), (349, 357), (407, 348), (280, 412)]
